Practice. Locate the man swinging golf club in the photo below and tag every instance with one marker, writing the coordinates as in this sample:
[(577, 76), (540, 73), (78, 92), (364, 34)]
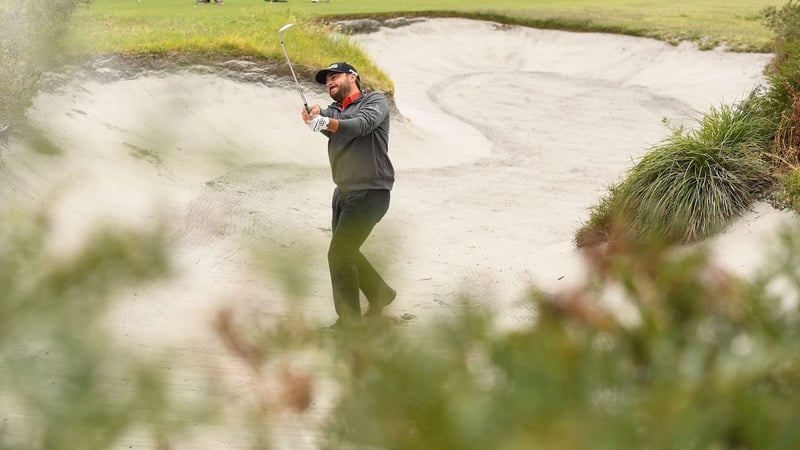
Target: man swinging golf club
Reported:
[(357, 127)]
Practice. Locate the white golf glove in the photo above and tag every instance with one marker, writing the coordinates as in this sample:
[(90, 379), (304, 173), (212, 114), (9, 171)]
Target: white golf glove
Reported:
[(319, 123)]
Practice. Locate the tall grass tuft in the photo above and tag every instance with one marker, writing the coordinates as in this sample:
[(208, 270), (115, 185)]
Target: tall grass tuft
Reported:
[(692, 184)]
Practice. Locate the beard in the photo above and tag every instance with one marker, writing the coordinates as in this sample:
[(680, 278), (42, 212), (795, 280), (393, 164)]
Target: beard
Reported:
[(339, 92)]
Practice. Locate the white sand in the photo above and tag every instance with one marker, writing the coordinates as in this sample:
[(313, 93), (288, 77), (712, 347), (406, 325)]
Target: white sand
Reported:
[(507, 136)]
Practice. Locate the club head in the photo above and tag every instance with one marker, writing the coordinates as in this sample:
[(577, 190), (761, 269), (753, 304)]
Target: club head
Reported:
[(285, 27)]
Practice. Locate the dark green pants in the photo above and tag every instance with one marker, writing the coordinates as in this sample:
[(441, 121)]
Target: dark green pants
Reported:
[(355, 214)]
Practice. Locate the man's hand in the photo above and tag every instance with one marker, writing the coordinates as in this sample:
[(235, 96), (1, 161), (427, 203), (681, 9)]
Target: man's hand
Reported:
[(313, 110), (318, 123)]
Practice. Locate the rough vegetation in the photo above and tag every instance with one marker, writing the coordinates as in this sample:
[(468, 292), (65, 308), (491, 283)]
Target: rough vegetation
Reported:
[(699, 180)]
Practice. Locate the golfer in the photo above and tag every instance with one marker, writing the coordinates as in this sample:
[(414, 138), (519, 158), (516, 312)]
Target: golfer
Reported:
[(357, 127)]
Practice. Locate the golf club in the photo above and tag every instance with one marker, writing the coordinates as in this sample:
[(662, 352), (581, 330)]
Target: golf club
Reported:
[(280, 37)]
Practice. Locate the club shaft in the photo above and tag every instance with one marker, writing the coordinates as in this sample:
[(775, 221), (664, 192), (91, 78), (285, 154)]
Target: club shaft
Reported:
[(294, 76)]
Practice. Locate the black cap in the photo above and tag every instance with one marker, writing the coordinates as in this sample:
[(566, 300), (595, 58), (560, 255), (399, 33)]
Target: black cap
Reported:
[(339, 67)]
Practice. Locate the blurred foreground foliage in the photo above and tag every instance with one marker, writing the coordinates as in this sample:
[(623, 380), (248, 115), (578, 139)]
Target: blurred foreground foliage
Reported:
[(695, 358), (31, 43), (656, 349), (66, 382)]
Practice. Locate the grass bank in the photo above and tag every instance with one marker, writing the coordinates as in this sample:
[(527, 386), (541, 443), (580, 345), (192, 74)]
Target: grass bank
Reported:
[(248, 27)]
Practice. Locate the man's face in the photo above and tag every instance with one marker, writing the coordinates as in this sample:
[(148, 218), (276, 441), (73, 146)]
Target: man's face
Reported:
[(339, 85)]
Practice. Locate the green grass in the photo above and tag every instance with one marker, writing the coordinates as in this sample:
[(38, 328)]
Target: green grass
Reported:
[(249, 27), (735, 23), (246, 28)]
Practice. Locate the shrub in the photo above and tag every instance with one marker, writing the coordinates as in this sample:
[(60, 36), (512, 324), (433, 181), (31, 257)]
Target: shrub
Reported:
[(66, 382), (783, 96)]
